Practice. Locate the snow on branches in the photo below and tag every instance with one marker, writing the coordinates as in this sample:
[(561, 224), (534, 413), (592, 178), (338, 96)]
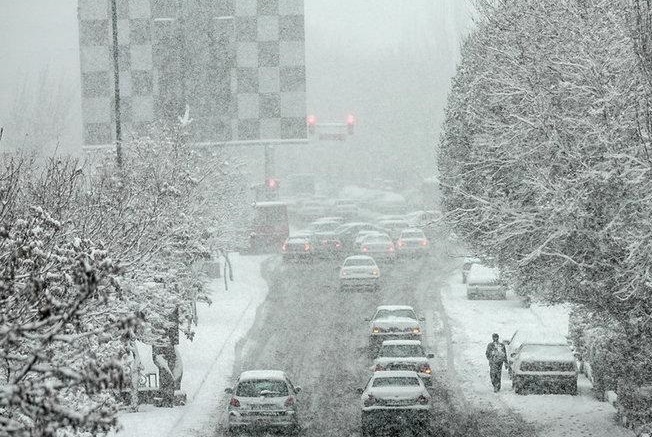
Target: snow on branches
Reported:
[(544, 154)]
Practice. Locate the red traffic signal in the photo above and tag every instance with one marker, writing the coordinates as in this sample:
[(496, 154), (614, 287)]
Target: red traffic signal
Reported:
[(350, 123), (271, 183), (311, 120)]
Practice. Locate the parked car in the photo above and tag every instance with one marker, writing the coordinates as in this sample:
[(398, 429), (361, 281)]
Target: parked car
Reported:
[(468, 262), (380, 246), (392, 400), (404, 355), (298, 247), (263, 399), (484, 282), (521, 337), (545, 368), (394, 322), (411, 242), (359, 271)]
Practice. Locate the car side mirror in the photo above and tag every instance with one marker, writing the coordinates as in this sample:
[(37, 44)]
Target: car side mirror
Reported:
[(359, 391), (430, 355), (297, 389), (228, 390)]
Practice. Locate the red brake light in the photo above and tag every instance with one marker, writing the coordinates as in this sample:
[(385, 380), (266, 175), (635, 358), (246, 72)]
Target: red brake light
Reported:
[(390, 248), (234, 402), (422, 400), (369, 401), (424, 243), (289, 402), (306, 247), (365, 249)]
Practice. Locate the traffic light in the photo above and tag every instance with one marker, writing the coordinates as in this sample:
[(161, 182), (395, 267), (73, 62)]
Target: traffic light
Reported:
[(311, 120), (272, 183), (350, 123)]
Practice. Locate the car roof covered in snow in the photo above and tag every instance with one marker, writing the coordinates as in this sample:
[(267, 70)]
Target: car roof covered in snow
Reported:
[(262, 374), (358, 257), (402, 342), (546, 352), (480, 274), (394, 307), (394, 374), (267, 204)]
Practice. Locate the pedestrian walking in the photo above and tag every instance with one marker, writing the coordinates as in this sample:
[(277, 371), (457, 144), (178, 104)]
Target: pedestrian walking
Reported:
[(496, 355)]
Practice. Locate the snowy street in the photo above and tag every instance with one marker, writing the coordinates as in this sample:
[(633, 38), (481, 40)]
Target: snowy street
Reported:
[(305, 326)]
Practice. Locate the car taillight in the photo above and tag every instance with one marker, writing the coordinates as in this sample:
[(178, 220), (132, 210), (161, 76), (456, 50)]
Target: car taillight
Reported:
[(306, 247), (365, 249), (375, 272), (369, 401), (289, 402), (343, 273), (416, 330), (234, 402), (338, 244), (390, 248), (424, 242), (422, 400), (425, 368), (285, 247), (376, 330), (401, 243), (378, 368)]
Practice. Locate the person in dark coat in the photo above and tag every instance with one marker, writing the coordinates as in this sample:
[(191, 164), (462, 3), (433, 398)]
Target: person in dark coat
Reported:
[(496, 355)]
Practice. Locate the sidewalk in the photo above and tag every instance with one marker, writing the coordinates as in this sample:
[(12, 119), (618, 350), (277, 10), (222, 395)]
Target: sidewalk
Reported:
[(472, 323), (208, 359)]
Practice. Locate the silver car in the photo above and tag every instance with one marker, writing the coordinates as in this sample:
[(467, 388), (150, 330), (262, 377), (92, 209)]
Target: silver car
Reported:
[(359, 271), (404, 355), (394, 399), (263, 399)]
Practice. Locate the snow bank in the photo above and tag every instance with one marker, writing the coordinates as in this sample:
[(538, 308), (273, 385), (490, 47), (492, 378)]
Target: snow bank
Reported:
[(473, 322), (207, 360)]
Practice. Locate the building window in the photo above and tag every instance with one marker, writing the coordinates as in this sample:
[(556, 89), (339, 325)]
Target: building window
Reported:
[(293, 79), (141, 82), (293, 128), (247, 80), (249, 129), (270, 105), (246, 29), (268, 54), (267, 7), (291, 28), (94, 32), (96, 84)]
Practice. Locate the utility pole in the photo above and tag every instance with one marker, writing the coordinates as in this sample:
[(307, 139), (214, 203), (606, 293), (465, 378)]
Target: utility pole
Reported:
[(116, 83)]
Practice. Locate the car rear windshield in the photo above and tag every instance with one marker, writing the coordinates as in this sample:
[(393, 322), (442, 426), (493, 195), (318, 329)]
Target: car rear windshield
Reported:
[(402, 350), (547, 366), (412, 234), (400, 381), (359, 262), (262, 387), (395, 313), (377, 239)]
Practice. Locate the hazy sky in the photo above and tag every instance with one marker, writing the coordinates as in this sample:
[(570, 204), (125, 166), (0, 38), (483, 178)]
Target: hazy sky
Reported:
[(387, 61)]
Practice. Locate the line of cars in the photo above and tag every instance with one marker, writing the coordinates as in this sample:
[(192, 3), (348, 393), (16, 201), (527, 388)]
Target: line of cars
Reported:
[(396, 395), (536, 362)]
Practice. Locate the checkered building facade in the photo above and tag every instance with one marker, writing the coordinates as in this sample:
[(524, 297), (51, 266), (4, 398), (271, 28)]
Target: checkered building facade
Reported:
[(239, 64), (270, 84)]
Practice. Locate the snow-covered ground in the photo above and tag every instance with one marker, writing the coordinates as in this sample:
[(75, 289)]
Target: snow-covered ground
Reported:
[(208, 359), (473, 321)]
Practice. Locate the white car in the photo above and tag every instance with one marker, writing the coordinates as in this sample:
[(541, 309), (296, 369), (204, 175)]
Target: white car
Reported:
[(412, 241), (405, 355), (484, 282), (394, 322), (393, 398), (359, 271), (545, 368), (380, 246), (263, 399)]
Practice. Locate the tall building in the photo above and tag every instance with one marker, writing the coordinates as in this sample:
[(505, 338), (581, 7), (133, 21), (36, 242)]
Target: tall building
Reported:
[(239, 65)]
